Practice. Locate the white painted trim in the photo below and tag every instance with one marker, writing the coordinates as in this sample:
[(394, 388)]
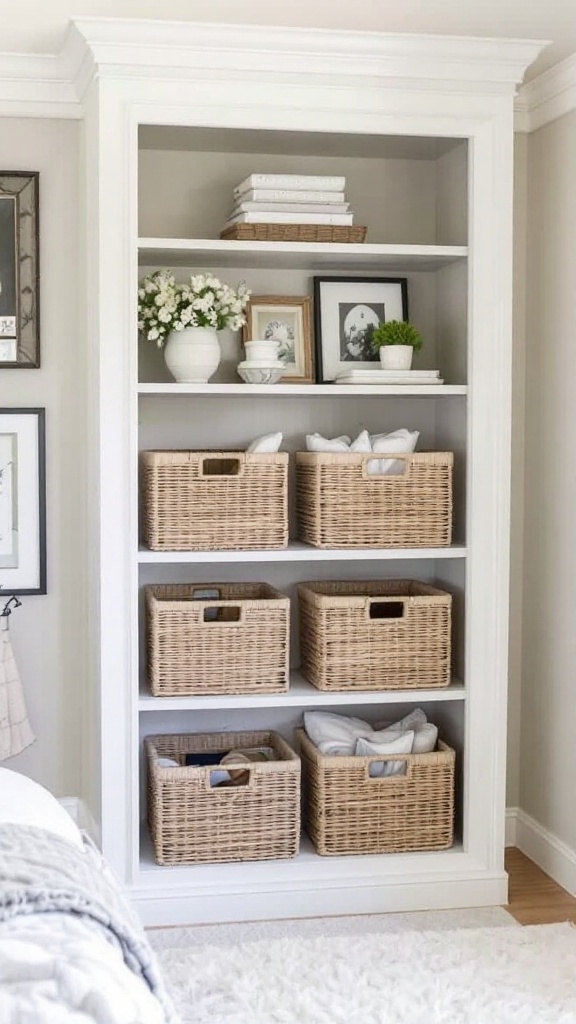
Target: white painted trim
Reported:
[(87, 822), (155, 48), (511, 826), (162, 908), (554, 856), (54, 85), (547, 97), (81, 815), (71, 805), (34, 85)]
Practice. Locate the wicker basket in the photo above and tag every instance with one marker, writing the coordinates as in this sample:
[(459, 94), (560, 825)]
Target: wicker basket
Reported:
[(341, 505), (190, 822), (193, 501), (295, 233), (348, 812), (386, 635), (217, 638)]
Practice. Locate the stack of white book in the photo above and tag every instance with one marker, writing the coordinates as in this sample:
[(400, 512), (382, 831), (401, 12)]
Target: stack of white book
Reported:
[(376, 376), (290, 199)]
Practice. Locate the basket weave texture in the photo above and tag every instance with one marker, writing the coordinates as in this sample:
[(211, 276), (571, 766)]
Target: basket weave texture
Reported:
[(348, 812), (384, 635), (190, 822), (217, 638), (295, 233), (340, 505), (206, 501)]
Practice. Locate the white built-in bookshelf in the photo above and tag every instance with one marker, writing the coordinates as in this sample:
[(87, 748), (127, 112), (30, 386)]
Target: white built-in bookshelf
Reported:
[(428, 170)]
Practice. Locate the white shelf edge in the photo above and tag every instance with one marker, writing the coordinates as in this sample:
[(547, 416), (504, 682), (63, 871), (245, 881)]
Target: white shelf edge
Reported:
[(370, 248), (307, 863), (297, 552), (300, 694), (225, 252), (295, 390)]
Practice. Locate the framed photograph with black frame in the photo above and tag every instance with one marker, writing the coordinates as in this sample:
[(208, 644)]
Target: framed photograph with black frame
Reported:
[(22, 501), (19, 270), (346, 311)]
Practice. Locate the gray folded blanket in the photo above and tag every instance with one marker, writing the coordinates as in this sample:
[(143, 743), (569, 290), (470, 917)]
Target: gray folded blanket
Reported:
[(42, 874)]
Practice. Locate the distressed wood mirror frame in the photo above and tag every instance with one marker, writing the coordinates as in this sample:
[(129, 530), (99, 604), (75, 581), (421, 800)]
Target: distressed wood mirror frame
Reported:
[(19, 270)]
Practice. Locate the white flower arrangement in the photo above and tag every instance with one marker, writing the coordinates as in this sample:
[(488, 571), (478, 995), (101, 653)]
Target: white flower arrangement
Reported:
[(203, 301)]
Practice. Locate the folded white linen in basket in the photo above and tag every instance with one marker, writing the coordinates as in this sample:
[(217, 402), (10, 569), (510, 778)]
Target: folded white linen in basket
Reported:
[(317, 443), (266, 444), (396, 743), (335, 735), (343, 736), (400, 442)]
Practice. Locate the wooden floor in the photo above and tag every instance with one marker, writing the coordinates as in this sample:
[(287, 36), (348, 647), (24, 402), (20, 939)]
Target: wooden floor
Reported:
[(534, 897)]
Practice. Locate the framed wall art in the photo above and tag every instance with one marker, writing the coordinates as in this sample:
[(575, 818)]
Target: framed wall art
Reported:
[(19, 270), (287, 319), (22, 501), (346, 311)]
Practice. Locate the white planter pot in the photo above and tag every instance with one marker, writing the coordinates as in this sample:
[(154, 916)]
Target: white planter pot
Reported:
[(192, 355), (396, 357), (262, 351)]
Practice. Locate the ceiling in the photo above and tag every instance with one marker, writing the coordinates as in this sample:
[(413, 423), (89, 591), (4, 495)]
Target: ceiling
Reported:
[(38, 26)]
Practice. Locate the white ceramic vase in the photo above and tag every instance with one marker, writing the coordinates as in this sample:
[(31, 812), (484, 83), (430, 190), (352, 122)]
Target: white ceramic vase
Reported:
[(192, 355), (396, 357)]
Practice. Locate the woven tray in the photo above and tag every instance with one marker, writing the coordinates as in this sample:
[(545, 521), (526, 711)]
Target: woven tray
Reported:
[(216, 638), (206, 501), (339, 504), (191, 822), (348, 812), (382, 635), (295, 233)]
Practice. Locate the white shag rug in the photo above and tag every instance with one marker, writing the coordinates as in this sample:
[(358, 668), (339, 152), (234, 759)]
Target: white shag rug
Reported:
[(498, 975)]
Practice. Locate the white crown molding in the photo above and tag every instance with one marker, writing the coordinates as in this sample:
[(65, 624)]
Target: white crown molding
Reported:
[(547, 97), (54, 86), (34, 85), (157, 47)]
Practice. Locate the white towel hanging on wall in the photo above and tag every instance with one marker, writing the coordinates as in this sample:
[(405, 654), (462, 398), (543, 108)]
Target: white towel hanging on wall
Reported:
[(15, 731)]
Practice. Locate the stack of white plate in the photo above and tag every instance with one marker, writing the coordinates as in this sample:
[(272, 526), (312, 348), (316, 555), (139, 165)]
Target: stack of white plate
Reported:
[(420, 377), (261, 365)]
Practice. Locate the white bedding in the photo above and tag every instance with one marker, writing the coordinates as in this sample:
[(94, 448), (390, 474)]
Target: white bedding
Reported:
[(71, 949), (24, 802), (60, 969)]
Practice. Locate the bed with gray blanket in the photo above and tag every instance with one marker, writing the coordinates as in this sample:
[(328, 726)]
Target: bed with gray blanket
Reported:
[(71, 949)]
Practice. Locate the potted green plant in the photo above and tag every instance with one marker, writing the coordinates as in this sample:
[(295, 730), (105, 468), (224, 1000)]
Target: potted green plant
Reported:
[(396, 341)]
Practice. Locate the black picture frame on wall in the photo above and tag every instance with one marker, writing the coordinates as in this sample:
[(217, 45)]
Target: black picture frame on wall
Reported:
[(23, 501), (19, 270), (345, 309)]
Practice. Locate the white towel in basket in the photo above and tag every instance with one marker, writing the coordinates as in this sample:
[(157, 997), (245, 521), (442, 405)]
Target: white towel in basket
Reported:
[(15, 731)]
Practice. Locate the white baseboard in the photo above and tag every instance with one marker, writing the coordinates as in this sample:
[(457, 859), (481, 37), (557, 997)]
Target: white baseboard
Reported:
[(554, 856), (511, 826), (81, 815)]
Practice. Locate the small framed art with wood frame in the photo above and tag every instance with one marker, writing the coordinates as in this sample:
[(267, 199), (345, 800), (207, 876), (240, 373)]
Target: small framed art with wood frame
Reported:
[(286, 319)]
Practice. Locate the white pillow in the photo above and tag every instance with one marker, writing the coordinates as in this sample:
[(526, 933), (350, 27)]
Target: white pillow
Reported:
[(24, 802), (266, 444)]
